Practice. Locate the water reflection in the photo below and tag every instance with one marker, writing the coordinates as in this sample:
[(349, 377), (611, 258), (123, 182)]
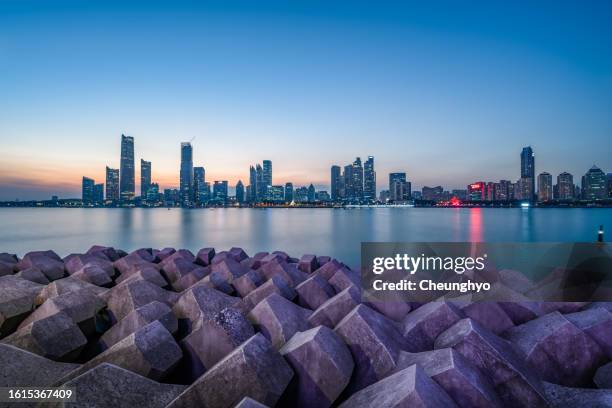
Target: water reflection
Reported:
[(335, 232)]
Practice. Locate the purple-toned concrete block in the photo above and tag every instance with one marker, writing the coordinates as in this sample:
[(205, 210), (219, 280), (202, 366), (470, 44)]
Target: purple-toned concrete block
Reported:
[(424, 324), (308, 263), (313, 292), (279, 319), (557, 350), (254, 369), (410, 387), (322, 364), (333, 310), (515, 382)]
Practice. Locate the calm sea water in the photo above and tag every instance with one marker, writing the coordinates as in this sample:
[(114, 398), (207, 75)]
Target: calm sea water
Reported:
[(334, 232)]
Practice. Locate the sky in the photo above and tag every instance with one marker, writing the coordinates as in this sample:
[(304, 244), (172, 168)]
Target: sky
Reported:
[(447, 91)]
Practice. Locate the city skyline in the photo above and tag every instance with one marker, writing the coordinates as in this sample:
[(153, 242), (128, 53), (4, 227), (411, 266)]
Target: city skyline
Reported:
[(355, 183), (444, 97)]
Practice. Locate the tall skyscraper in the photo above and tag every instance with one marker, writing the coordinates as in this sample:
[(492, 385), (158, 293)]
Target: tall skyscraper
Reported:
[(252, 189), (369, 180), (199, 180), (594, 184), (145, 178), (528, 173), (565, 186), (288, 192), (127, 186), (112, 184), (267, 173), (186, 174), (545, 187), (357, 180), (87, 189), (349, 191), (239, 192), (335, 182), (261, 186)]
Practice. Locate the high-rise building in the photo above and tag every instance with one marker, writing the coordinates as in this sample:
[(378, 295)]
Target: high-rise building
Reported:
[(335, 183), (490, 191), (357, 180), (369, 180), (220, 192), (145, 178), (502, 190), (399, 188), (127, 185), (545, 187), (528, 173), (87, 191), (199, 178), (565, 186), (267, 173), (239, 192), (186, 175), (98, 194), (261, 186), (288, 192), (311, 193), (112, 184), (609, 178), (594, 184), (252, 188), (349, 191), (476, 191)]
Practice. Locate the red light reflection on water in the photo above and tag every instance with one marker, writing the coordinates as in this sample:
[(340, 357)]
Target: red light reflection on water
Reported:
[(476, 225)]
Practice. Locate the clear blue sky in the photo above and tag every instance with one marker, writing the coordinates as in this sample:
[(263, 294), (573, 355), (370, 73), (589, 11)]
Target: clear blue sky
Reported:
[(447, 91)]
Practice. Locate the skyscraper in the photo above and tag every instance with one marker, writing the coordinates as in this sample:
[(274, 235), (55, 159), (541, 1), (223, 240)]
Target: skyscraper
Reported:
[(126, 182), (358, 179), (267, 173), (349, 192), (259, 182), (145, 178), (565, 186), (399, 188), (594, 184), (288, 192), (545, 187), (528, 173), (335, 183), (239, 192), (87, 189), (199, 180), (369, 180), (252, 190), (112, 184), (186, 174)]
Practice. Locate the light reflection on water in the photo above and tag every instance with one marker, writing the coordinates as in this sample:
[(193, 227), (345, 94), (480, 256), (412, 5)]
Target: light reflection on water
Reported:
[(334, 232)]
